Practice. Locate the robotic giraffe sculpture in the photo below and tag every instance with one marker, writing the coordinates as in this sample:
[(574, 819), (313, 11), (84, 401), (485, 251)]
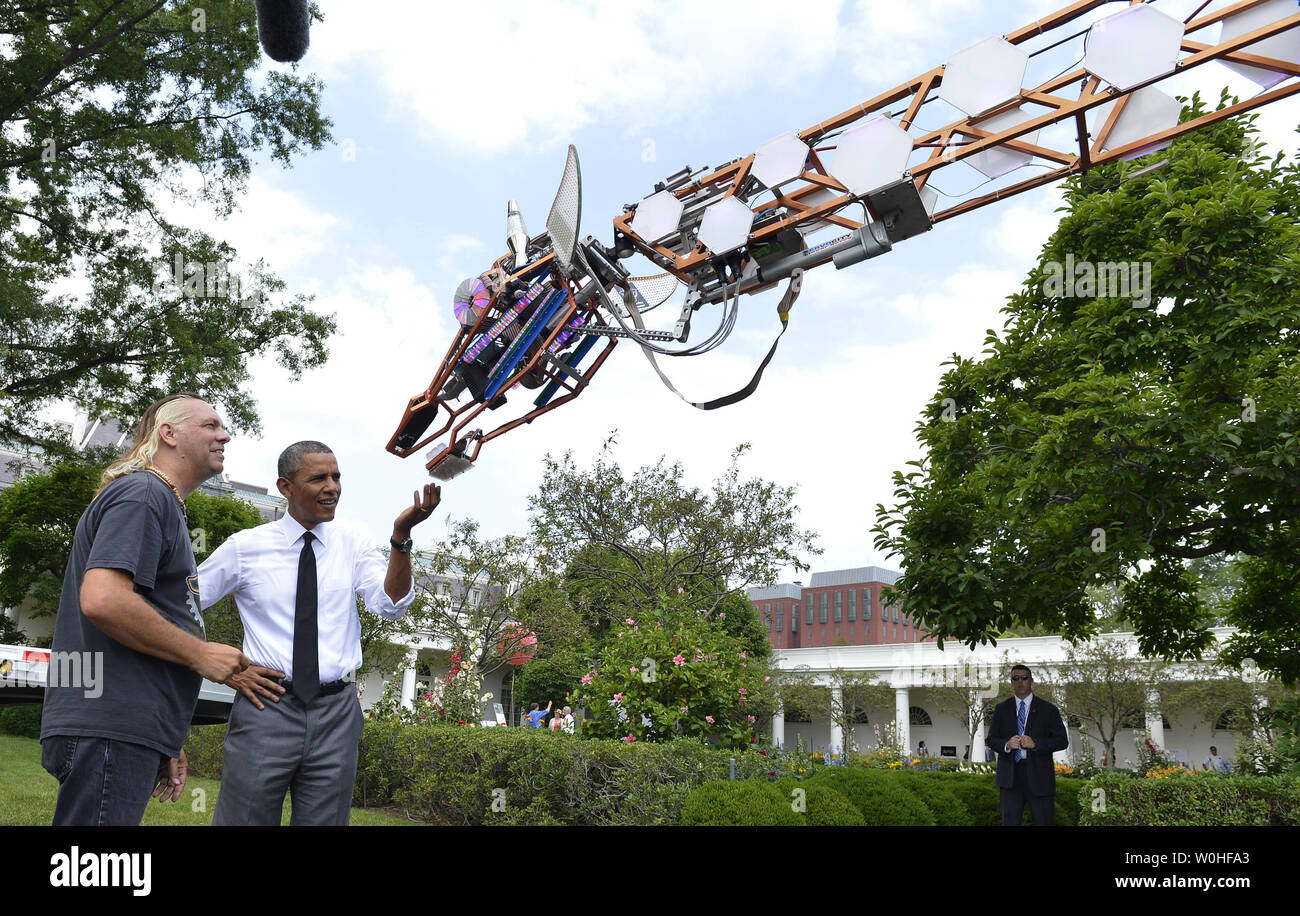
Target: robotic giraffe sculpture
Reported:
[(547, 314)]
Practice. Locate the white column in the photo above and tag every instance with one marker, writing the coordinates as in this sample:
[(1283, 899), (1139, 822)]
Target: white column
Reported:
[(1155, 721), (903, 718), (1067, 755), (837, 733), (408, 682), (778, 727)]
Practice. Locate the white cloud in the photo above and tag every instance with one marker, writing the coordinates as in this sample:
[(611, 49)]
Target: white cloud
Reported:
[(496, 74)]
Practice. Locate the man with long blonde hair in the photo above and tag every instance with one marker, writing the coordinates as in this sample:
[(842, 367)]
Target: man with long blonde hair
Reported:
[(130, 609)]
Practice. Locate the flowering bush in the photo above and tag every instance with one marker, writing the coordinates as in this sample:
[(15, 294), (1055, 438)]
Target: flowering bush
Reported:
[(455, 698), (676, 676), (1151, 756)]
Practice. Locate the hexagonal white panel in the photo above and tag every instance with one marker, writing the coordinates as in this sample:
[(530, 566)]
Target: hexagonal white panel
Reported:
[(994, 163), (1148, 111), (779, 160), (657, 215), (1135, 45), (725, 226), (983, 76), (1285, 46), (871, 156)]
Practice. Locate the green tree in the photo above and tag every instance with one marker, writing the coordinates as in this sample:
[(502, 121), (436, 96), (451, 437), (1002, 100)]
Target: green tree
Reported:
[(1105, 688), (109, 110), (1097, 442), (38, 518), (639, 537)]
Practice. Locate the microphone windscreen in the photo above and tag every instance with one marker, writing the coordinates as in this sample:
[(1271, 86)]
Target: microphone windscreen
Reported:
[(283, 28)]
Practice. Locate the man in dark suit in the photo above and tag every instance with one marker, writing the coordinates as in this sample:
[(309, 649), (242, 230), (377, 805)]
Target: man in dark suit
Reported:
[(1025, 732)]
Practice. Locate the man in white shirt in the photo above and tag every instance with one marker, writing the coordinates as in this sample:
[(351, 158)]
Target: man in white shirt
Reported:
[(295, 582), (1214, 762)]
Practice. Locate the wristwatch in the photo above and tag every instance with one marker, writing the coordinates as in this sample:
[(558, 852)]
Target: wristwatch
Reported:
[(401, 546)]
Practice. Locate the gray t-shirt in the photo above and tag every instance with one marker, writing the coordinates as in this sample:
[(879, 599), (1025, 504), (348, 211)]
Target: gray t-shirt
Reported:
[(96, 685)]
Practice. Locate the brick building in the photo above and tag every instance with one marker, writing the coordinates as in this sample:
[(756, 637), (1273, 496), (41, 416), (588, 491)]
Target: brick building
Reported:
[(841, 607)]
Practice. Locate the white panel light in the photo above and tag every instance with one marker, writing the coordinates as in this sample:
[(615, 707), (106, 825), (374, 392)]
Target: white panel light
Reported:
[(994, 163), (1149, 111), (725, 226), (657, 215), (871, 156), (983, 76), (1285, 46), (779, 160), (1133, 46)]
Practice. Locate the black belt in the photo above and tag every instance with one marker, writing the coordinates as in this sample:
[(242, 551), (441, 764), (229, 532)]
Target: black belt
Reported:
[(326, 690)]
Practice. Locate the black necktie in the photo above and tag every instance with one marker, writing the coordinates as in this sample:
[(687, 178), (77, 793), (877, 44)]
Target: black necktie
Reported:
[(306, 667)]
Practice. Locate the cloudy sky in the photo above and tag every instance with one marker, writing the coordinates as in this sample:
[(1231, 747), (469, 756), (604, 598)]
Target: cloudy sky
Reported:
[(444, 112)]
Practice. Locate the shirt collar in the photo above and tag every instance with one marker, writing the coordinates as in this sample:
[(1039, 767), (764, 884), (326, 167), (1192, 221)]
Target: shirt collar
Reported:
[(293, 530)]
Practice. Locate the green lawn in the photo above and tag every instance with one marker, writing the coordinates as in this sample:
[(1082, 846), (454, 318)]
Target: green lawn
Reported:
[(27, 795)]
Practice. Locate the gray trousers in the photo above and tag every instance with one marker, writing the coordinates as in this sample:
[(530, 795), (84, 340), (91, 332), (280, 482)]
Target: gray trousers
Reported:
[(310, 752)]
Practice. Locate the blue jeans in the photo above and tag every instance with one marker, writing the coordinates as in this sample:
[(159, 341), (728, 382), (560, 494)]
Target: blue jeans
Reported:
[(102, 782)]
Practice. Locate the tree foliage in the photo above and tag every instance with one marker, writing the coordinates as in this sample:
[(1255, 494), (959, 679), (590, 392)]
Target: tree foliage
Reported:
[(1096, 442), (110, 111), (636, 538), (38, 518)]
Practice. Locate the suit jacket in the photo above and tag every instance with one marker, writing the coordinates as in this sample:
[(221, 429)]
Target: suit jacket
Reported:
[(1044, 725)]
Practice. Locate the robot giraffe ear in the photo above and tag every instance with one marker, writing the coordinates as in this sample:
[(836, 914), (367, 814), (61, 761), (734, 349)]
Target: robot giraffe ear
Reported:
[(283, 27), (565, 218)]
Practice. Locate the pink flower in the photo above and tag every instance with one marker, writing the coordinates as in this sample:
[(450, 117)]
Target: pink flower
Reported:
[(618, 698), (722, 616), (685, 710), (709, 719), (586, 678), (678, 660), (636, 629), (630, 738), (752, 720), (743, 691), (742, 655), (633, 670), (630, 622), (767, 678)]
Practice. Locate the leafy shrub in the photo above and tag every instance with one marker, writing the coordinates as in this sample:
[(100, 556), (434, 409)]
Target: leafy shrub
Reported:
[(1070, 793), (24, 721), (823, 806), (879, 796), (935, 794), (448, 774), (205, 750), (744, 803), (1207, 799)]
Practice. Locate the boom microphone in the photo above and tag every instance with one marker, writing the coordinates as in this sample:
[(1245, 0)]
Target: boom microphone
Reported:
[(282, 26)]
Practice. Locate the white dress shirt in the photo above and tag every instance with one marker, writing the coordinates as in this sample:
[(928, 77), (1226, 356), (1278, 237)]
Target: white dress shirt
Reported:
[(1028, 700), (259, 566)]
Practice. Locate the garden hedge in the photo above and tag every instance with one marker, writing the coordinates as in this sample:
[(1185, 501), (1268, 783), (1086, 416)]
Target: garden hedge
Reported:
[(447, 774), (1182, 800), (23, 721)]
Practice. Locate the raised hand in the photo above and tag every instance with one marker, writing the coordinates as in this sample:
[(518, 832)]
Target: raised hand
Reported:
[(419, 510)]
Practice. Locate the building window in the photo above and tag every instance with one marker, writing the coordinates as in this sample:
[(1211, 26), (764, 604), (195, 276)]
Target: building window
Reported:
[(839, 606), (866, 604), (853, 604), (780, 619), (808, 601), (821, 609), (919, 716), (894, 608)]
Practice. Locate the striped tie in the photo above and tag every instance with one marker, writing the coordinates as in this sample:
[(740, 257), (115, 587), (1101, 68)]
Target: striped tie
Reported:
[(1020, 727)]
